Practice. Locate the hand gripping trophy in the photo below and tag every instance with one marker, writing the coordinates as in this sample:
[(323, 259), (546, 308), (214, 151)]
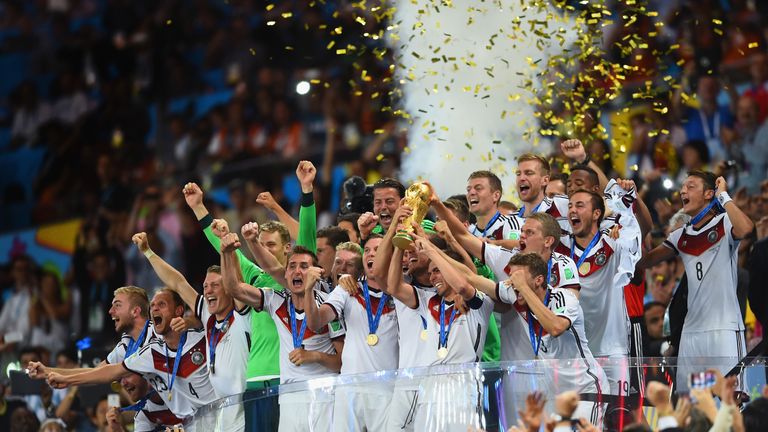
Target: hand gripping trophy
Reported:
[(417, 198)]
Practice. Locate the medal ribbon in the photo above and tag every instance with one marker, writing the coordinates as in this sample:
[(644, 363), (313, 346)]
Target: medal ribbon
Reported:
[(213, 341), (373, 320), (135, 344), (445, 331), (176, 362), (536, 338), (696, 219), (423, 322), (298, 336), (586, 250), (138, 406), (490, 223), (549, 272), (521, 213)]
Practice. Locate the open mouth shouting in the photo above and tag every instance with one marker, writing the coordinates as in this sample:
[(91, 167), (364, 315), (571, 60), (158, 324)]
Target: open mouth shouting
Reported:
[(473, 203), (157, 319), (575, 222), (212, 302), (523, 190), (297, 282), (385, 218)]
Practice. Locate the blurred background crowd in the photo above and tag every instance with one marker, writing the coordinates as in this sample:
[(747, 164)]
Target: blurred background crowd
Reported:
[(107, 107)]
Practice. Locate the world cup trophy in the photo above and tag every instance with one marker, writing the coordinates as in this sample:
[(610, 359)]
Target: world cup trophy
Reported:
[(417, 198)]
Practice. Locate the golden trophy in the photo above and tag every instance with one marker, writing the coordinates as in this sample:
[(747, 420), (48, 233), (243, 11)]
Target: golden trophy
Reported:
[(417, 198)]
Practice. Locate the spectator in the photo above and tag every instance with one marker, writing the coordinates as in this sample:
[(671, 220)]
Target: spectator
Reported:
[(750, 146), (709, 121), (654, 324), (758, 85), (48, 313), (14, 318), (29, 115)]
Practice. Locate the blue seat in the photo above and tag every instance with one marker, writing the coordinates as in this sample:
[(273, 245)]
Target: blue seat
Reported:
[(205, 102)]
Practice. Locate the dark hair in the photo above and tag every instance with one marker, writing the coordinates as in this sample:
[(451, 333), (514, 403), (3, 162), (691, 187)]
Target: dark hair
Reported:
[(701, 148), (563, 177), (706, 176), (390, 183), (70, 353), (301, 250), (334, 235), (371, 237), (460, 208), (493, 179), (593, 177), (462, 198), (351, 218), (756, 415), (535, 265), (597, 202)]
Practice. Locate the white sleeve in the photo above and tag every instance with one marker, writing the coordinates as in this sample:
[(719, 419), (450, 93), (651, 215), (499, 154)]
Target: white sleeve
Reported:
[(201, 311), (728, 227), (141, 361), (497, 258), (267, 300), (505, 294), (567, 274), (564, 304), (630, 237), (335, 327), (337, 299), (117, 354)]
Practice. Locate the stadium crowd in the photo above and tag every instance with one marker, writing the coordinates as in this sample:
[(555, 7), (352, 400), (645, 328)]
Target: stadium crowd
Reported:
[(130, 102)]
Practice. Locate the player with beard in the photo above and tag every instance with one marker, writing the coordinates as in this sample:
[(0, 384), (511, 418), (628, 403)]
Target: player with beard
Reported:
[(151, 412), (129, 312), (387, 194), (305, 352), (532, 177), (447, 335), (605, 266), (173, 363), (484, 192), (227, 324), (371, 344), (708, 246)]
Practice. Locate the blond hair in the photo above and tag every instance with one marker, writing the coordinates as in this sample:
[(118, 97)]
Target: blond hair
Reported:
[(525, 157), (137, 298)]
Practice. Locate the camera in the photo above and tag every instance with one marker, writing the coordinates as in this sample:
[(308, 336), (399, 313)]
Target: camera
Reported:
[(358, 196)]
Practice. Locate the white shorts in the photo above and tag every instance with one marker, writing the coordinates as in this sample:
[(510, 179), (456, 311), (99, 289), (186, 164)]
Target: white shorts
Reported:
[(359, 408), (300, 412), (231, 418), (718, 349)]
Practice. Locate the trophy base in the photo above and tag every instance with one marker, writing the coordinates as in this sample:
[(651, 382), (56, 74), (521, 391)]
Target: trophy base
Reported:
[(403, 241)]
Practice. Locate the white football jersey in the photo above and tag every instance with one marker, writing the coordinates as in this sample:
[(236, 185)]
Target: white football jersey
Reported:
[(466, 336), (117, 355), (557, 206), (563, 274), (603, 273), (154, 416), (710, 255), (358, 356), (232, 345), (500, 227), (191, 388), (277, 304)]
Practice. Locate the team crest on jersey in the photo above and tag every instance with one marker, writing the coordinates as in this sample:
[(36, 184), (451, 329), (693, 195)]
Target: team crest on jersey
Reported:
[(600, 259), (225, 327), (197, 358), (554, 279), (712, 236)]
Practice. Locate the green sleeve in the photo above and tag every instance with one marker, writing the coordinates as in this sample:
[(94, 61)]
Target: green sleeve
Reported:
[(492, 350), (307, 224)]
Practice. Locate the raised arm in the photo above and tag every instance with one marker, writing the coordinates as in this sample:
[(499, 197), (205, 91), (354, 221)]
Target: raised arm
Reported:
[(395, 285), (453, 277), (316, 316), (101, 375), (383, 258), (470, 243), (441, 227), (261, 254), (214, 229), (574, 150), (171, 277), (742, 224), (307, 235), (553, 324), (232, 277), (656, 255), (266, 199)]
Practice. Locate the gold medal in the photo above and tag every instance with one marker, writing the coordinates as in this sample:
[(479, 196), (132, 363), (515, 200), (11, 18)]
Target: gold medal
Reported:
[(584, 269), (116, 387), (372, 339), (442, 352), (423, 335)]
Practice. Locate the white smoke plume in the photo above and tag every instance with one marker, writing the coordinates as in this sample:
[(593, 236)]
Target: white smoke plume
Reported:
[(466, 69)]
